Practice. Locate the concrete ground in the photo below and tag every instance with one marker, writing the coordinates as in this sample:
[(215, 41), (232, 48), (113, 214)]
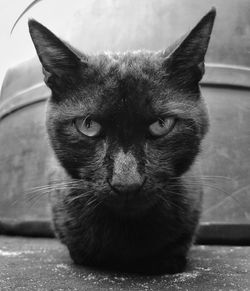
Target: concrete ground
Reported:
[(44, 264)]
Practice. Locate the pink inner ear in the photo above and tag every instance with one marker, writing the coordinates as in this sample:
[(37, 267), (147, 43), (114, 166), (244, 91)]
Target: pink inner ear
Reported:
[(52, 51), (46, 75), (201, 67)]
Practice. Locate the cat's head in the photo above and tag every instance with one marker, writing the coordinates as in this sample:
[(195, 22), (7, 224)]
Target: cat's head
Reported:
[(126, 123)]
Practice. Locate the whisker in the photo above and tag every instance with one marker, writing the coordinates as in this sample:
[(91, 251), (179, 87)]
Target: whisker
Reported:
[(36, 193), (204, 177), (82, 195), (225, 199), (95, 206), (228, 196), (91, 201)]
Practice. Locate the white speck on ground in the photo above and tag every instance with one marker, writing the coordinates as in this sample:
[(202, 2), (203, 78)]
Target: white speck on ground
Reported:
[(14, 254), (203, 269), (62, 266), (186, 276)]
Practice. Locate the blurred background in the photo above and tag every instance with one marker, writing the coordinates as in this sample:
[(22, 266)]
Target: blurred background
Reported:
[(95, 25), (107, 25)]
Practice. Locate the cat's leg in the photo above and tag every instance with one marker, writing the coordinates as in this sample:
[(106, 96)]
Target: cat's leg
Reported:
[(163, 265), (171, 260)]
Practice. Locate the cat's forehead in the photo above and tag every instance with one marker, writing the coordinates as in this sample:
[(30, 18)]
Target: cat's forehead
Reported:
[(124, 85), (138, 57), (134, 78)]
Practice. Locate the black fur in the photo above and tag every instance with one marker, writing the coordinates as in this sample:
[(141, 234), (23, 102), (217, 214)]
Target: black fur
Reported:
[(147, 229)]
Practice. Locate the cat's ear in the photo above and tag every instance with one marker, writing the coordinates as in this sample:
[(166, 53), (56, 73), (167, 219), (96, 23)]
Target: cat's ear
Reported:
[(59, 61), (187, 59)]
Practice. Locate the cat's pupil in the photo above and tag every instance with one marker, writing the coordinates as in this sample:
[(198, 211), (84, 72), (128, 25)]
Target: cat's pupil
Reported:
[(161, 122), (88, 122)]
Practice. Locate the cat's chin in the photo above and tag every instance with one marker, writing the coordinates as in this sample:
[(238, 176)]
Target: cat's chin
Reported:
[(135, 206)]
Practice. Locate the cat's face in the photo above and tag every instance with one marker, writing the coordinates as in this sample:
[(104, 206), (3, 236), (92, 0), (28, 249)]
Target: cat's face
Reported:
[(127, 124)]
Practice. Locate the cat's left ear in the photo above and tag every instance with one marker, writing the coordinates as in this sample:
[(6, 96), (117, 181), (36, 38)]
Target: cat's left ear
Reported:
[(187, 59), (60, 63)]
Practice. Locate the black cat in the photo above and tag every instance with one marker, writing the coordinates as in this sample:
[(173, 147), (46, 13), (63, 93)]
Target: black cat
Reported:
[(126, 128)]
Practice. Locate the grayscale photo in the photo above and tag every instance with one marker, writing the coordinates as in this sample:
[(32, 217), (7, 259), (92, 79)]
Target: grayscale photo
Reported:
[(125, 145)]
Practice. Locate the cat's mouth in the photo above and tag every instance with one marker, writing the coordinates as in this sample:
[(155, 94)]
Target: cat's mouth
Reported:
[(129, 201), (128, 191), (128, 205)]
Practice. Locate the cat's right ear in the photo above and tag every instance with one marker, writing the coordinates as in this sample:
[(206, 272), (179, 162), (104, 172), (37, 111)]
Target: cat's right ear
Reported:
[(60, 63), (186, 61)]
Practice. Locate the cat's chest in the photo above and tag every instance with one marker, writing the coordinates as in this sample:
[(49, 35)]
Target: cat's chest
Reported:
[(133, 235)]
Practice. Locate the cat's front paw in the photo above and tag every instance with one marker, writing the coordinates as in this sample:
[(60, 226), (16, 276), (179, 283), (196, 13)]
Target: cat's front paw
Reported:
[(169, 265)]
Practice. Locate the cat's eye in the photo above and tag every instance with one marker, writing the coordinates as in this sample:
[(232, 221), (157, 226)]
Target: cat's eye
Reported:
[(88, 126), (162, 126)]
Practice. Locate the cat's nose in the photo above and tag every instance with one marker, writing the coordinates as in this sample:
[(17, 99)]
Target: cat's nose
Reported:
[(126, 177), (132, 187)]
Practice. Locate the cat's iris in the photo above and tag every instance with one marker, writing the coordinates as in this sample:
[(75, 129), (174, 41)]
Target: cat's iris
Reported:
[(162, 126), (88, 126)]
